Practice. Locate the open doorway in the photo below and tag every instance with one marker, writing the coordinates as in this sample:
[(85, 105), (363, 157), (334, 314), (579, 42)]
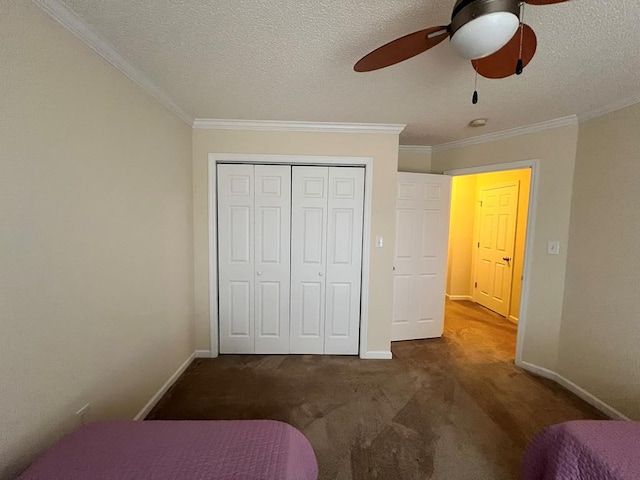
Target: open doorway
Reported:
[(485, 265)]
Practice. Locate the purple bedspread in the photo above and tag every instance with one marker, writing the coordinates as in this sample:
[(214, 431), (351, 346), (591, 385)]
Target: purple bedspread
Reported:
[(584, 450), (162, 450)]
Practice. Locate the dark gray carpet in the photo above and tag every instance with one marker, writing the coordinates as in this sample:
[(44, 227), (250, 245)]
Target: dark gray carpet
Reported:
[(454, 408)]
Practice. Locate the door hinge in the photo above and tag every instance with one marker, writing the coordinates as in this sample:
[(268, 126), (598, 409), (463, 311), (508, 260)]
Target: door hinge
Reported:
[(480, 202), (476, 285), (478, 244)]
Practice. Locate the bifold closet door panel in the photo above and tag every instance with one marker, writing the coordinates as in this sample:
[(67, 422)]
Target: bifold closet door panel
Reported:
[(308, 258), (272, 258), (344, 260), (289, 259), (236, 262)]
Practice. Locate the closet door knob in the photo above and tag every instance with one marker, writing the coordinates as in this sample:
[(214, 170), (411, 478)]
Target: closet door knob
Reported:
[(321, 274), (259, 273)]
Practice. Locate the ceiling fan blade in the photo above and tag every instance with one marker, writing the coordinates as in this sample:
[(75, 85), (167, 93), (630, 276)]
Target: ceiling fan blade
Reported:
[(544, 2), (503, 63), (402, 49)]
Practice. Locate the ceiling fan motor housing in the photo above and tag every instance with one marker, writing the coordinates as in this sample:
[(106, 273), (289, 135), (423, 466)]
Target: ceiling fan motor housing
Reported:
[(482, 27)]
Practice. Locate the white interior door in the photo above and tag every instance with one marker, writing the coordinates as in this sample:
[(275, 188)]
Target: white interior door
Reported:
[(308, 258), (496, 243), (272, 258), (290, 258), (236, 258), (344, 260), (422, 229)]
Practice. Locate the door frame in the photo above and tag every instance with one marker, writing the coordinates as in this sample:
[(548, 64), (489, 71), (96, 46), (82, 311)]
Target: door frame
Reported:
[(215, 158), (534, 165)]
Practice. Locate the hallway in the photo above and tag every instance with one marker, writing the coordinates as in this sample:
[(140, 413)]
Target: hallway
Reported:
[(480, 331)]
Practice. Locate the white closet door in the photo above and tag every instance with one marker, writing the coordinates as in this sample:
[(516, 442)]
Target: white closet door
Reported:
[(272, 258), (308, 258), (344, 260), (236, 258)]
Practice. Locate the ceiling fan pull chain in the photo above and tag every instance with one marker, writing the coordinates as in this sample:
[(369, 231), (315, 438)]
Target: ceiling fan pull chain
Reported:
[(474, 99), (520, 64)]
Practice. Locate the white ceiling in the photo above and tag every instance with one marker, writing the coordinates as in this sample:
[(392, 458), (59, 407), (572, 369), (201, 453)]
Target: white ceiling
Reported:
[(293, 60)]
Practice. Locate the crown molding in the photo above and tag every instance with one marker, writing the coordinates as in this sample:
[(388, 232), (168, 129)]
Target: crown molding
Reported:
[(76, 25), (416, 149), (278, 126), (512, 132), (610, 108)]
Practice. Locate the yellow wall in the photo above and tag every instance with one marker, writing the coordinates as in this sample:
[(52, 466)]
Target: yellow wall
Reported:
[(96, 289), (600, 335), (414, 160), (381, 147), (555, 151), (461, 234)]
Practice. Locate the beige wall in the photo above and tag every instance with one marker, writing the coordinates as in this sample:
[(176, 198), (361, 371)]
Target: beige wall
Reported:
[(96, 288), (600, 335), (555, 150), (461, 233), (414, 161), (381, 147)]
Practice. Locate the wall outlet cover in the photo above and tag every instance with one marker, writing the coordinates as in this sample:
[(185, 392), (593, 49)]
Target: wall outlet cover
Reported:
[(553, 248)]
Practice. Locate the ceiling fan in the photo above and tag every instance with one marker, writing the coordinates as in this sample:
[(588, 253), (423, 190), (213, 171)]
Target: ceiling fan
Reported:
[(490, 33)]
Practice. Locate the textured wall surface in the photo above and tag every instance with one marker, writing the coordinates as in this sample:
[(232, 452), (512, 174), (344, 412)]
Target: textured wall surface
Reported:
[(96, 276), (461, 232), (556, 152), (414, 161), (384, 151), (600, 331)]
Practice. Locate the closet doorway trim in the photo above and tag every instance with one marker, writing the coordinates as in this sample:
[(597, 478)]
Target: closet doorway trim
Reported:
[(215, 158)]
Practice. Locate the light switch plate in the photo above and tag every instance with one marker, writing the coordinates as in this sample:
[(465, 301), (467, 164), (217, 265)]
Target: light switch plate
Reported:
[(379, 242), (553, 248)]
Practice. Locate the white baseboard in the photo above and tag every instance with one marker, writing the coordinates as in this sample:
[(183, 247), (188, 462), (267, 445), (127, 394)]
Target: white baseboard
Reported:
[(575, 389), (203, 354), (458, 298), (164, 389), (376, 356), (513, 319)]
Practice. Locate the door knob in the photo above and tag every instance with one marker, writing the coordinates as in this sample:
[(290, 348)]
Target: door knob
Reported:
[(506, 259), (321, 274), (259, 273)]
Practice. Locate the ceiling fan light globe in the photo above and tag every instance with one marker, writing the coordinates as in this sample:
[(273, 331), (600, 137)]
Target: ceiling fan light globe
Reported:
[(484, 35)]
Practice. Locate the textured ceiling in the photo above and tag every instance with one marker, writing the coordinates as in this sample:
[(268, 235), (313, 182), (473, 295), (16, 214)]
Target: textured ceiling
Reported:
[(293, 60)]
